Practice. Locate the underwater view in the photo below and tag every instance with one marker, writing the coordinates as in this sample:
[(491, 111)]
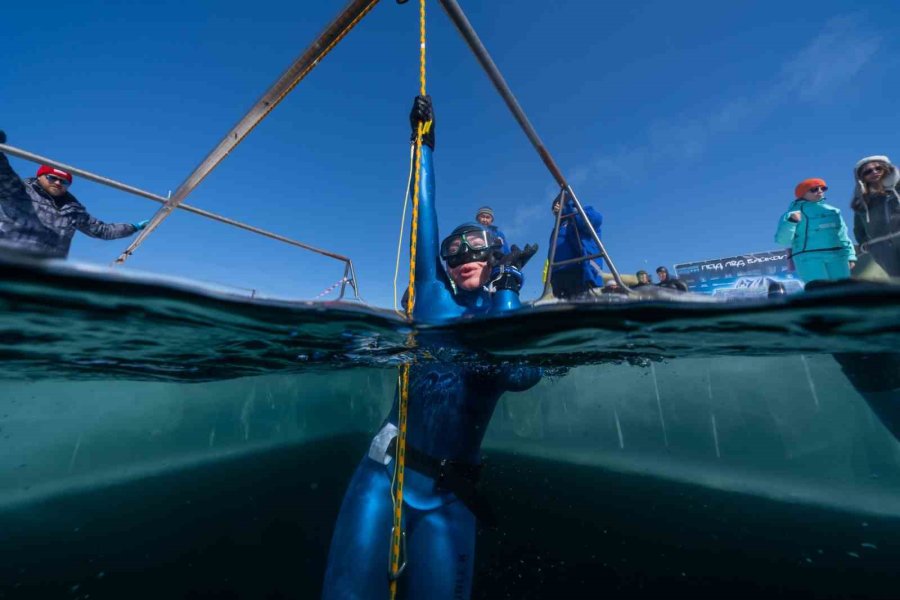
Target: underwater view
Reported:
[(260, 388), (173, 440)]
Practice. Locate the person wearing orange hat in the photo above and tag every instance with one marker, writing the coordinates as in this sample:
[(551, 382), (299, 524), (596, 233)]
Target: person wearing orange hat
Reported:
[(40, 216), (817, 234)]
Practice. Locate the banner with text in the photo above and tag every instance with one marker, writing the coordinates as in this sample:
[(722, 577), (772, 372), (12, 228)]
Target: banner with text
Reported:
[(744, 276)]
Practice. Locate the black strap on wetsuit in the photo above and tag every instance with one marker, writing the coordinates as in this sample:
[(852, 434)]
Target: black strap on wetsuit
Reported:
[(453, 476)]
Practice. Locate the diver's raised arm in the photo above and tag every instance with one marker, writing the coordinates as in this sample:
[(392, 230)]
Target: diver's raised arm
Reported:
[(434, 297)]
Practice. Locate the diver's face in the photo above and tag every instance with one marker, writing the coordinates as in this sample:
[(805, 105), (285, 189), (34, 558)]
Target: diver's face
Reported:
[(644, 278), (470, 276), (485, 219), (53, 185)]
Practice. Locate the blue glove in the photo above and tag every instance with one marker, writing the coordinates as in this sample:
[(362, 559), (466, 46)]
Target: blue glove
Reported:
[(140, 225)]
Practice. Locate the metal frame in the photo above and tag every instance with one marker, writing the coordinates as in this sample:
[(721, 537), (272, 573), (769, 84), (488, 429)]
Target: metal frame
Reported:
[(465, 28), (287, 81), (349, 272), (330, 36)]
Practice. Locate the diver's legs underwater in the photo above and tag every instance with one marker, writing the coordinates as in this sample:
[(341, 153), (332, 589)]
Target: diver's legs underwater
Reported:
[(440, 534)]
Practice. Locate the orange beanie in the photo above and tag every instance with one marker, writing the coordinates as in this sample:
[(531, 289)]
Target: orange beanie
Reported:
[(804, 186)]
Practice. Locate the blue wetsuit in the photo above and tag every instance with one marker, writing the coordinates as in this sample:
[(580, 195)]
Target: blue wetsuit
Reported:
[(450, 406)]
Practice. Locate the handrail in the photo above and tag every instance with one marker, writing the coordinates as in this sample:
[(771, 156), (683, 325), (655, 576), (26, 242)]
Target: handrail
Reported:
[(12, 150)]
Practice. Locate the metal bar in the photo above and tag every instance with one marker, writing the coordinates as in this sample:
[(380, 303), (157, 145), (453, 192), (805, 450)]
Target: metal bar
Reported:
[(344, 280), (43, 160), (571, 261), (287, 81), (551, 253), (162, 200), (353, 279), (590, 226), (468, 32)]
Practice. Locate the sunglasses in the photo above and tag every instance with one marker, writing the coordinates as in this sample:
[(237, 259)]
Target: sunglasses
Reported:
[(57, 180), (821, 188), (871, 170)]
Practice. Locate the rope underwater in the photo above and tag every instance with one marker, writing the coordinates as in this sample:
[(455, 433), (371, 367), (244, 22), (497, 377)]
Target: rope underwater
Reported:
[(398, 536)]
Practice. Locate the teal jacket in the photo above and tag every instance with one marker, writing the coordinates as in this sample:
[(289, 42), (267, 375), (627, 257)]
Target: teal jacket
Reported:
[(821, 229)]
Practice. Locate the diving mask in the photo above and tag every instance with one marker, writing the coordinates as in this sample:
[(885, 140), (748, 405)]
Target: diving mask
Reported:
[(467, 243)]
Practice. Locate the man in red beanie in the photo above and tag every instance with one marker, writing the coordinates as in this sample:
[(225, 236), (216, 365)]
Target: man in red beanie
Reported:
[(40, 216)]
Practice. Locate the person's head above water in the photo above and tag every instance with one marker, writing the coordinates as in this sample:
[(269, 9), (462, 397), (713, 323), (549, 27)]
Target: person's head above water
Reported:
[(467, 251), (662, 273), (485, 216), (811, 190), (54, 181), (643, 276)]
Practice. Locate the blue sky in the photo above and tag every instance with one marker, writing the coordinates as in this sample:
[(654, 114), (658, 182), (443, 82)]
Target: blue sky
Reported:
[(686, 124)]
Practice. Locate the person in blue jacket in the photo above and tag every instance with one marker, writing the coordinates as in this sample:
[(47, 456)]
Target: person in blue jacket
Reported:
[(485, 216), (574, 241), (450, 405), (817, 234)]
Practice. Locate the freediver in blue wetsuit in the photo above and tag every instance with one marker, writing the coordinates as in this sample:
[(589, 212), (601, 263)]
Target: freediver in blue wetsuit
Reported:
[(450, 406)]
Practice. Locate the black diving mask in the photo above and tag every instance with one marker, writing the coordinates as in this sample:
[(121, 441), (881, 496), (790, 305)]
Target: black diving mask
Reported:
[(466, 245)]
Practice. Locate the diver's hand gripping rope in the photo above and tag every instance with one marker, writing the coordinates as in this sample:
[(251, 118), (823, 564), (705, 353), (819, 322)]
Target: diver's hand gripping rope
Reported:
[(398, 536)]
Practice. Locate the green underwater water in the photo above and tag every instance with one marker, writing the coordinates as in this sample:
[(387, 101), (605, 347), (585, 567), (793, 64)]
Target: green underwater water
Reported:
[(165, 441)]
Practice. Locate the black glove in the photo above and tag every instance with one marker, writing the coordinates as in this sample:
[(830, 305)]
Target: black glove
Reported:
[(506, 272), (422, 112), (2, 137)]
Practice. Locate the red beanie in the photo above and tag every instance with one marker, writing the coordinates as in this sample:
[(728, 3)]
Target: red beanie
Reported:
[(804, 186), (48, 170)]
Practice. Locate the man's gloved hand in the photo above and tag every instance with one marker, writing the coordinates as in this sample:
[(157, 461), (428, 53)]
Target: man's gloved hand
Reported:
[(422, 112), (141, 224), (2, 137), (506, 273)]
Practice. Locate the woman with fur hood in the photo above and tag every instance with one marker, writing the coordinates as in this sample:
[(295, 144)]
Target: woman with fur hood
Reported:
[(876, 209)]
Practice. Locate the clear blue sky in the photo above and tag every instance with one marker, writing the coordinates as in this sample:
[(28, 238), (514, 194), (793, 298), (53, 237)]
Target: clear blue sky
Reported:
[(686, 124)]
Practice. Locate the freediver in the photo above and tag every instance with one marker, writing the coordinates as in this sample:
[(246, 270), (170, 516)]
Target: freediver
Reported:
[(450, 406)]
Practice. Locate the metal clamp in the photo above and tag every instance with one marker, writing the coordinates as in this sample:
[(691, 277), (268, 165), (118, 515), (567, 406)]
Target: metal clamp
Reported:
[(395, 575)]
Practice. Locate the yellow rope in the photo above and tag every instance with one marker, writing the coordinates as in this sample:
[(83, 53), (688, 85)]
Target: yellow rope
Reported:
[(397, 534)]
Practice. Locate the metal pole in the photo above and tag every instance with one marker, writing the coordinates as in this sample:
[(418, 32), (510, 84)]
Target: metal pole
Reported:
[(162, 200), (287, 81), (551, 252), (43, 160), (590, 226), (468, 32)]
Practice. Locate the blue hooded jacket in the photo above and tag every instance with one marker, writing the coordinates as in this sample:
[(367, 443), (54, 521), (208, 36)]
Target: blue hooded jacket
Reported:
[(575, 240), (821, 229)]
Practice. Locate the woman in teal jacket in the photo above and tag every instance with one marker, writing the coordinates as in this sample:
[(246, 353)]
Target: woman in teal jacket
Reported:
[(817, 234)]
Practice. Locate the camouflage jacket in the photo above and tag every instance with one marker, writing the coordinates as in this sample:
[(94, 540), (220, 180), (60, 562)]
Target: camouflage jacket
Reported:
[(33, 221)]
